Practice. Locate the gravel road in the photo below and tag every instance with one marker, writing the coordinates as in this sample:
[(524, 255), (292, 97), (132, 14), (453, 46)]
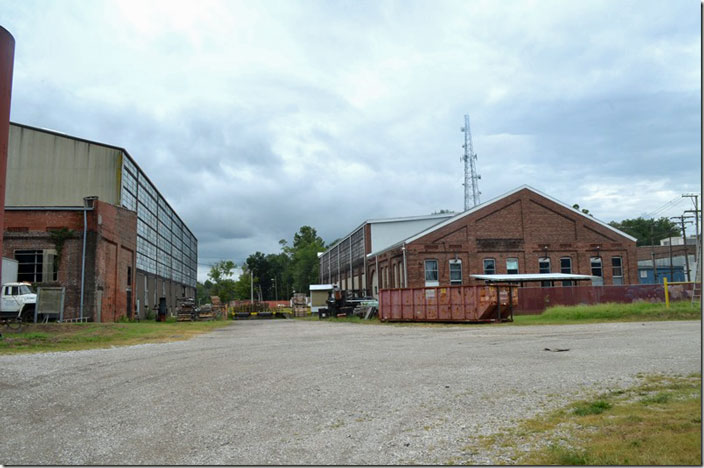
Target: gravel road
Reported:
[(309, 392)]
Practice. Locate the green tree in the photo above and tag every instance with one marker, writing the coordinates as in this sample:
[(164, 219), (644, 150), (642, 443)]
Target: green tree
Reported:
[(203, 292), (648, 231), (223, 285), (304, 257)]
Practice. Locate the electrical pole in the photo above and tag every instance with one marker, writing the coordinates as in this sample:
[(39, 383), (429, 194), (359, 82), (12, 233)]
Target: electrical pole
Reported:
[(684, 239), (652, 256), (696, 212)]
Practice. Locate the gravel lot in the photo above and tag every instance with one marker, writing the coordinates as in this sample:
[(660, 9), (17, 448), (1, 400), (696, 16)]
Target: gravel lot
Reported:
[(309, 392)]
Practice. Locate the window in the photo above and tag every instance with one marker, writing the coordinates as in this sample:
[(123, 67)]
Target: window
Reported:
[(643, 274), (544, 268), (129, 276), (566, 268), (617, 270), (489, 266), (512, 266), (455, 272), (431, 272), (596, 271), (30, 265)]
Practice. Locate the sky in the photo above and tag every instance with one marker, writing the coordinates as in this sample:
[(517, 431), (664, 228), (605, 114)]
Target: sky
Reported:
[(254, 118)]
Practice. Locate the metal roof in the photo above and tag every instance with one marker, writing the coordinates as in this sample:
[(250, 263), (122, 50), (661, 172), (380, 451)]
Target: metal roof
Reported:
[(526, 277), (321, 287)]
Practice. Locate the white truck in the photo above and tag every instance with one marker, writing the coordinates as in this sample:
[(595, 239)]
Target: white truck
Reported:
[(17, 302)]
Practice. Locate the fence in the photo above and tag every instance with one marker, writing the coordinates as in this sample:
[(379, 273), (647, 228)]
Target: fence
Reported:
[(536, 300), (448, 304)]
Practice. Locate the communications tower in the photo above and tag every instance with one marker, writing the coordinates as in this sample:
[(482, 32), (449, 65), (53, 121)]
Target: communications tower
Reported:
[(471, 178)]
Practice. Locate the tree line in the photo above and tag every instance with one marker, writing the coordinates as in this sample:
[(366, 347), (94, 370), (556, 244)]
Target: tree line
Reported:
[(273, 276)]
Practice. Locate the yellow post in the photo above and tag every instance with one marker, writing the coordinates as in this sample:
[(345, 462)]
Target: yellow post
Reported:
[(667, 293)]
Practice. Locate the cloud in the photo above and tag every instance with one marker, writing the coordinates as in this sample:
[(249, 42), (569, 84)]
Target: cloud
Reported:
[(254, 119)]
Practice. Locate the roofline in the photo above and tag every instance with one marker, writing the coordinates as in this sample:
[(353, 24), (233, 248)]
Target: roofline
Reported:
[(511, 192), (106, 145), (476, 208), (385, 220), (49, 208)]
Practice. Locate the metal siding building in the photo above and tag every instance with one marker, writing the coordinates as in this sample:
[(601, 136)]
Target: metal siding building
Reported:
[(47, 168)]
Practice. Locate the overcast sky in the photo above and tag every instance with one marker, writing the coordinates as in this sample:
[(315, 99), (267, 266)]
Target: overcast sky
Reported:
[(255, 118)]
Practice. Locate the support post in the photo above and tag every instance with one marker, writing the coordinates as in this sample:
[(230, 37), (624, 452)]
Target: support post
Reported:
[(667, 293)]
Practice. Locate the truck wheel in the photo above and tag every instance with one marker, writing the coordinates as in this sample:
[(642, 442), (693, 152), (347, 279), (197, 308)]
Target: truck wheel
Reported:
[(28, 313)]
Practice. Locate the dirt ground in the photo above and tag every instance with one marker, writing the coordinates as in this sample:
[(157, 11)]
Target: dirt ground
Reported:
[(311, 392)]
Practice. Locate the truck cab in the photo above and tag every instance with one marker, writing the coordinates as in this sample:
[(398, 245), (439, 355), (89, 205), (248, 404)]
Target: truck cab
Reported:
[(18, 299)]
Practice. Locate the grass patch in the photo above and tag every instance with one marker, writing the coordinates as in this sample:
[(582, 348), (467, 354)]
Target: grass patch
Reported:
[(657, 422), (614, 312), (37, 338)]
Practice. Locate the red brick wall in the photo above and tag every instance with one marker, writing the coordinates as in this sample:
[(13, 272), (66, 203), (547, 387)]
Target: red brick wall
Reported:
[(110, 249), (523, 225)]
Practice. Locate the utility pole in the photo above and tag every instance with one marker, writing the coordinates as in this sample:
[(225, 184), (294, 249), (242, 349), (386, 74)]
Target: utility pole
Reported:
[(652, 256), (696, 212), (684, 239)]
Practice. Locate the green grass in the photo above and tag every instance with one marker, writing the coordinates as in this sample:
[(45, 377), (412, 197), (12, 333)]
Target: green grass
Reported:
[(657, 422), (36, 338), (613, 312)]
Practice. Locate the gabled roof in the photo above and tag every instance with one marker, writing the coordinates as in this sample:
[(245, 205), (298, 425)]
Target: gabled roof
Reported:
[(494, 200)]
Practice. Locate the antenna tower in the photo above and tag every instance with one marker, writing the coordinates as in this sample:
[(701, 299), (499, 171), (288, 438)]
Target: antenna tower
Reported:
[(471, 178)]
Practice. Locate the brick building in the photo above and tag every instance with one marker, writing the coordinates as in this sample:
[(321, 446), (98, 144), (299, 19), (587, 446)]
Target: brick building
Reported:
[(48, 169), (345, 262), (48, 244), (522, 231)]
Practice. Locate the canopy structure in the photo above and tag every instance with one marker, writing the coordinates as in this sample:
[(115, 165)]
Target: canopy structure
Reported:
[(528, 277)]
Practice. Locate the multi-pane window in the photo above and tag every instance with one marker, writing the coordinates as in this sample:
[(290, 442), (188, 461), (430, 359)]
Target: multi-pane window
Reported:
[(544, 268), (566, 268), (512, 266), (30, 265), (431, 272), (455, 272), (597, 271), (617, 268), (489, 266)]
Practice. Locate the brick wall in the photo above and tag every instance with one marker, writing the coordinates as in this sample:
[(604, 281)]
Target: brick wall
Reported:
[(523, 225), (110, 250)]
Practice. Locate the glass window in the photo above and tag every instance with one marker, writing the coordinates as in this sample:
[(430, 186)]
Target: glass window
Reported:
[(489, 266), (543, 268), (455, 271), (617, 270), (512, 266), (596, 271), (29, 265), (431, 271), (566, 268)]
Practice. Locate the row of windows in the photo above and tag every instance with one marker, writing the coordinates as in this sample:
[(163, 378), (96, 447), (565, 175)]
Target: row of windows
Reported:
[(489, 265)]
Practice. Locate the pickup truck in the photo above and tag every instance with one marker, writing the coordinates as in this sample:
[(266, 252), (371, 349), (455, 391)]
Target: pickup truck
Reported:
[(17, 302)]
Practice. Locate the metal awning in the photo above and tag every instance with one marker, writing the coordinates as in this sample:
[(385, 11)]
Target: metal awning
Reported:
[(527, 277)]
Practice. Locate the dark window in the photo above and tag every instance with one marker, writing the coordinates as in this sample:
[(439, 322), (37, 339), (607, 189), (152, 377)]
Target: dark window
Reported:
[(597, 271), (29, 265), (431, 270), (455, 271), (617, 270), (489, 266), (543, 268), (512, 266), (566, 268), (129, 276)]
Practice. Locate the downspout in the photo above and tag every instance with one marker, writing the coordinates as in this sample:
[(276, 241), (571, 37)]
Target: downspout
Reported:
[(405, 270), (87, 204), (377, 276)]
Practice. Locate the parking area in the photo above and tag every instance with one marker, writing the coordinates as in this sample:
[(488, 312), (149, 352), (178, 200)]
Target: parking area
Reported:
[(308, 392)]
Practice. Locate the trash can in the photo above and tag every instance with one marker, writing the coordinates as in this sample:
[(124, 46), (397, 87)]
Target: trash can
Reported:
[(161, 313)]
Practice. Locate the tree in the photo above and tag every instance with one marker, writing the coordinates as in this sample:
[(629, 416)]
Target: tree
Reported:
[(223, 285), (647, 231), (203, 292), (304, 257)]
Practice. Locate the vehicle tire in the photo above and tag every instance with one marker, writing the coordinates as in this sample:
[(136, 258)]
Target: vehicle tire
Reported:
[(28, 313)]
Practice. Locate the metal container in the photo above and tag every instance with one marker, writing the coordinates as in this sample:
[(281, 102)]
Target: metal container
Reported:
[(448, 304)]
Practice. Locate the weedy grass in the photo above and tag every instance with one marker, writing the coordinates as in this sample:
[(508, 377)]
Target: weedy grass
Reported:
[(37, 338), (657, 422), (613, 312)]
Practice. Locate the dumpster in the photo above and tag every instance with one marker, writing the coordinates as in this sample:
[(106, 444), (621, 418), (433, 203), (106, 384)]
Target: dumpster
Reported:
[(491, 303)]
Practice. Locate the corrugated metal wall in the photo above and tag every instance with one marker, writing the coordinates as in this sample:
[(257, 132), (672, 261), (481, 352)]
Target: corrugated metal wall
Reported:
[(42, 170)]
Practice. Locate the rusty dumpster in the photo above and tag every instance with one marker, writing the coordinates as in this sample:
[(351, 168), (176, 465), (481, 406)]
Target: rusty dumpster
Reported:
[(448, 304)]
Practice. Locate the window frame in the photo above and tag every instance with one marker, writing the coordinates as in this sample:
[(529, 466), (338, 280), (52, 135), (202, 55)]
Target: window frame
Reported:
[(493, 268), (541, 261), (592, 268), (617, 279), (518, 270), (562, 270), (431, 282), (453, 263)]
